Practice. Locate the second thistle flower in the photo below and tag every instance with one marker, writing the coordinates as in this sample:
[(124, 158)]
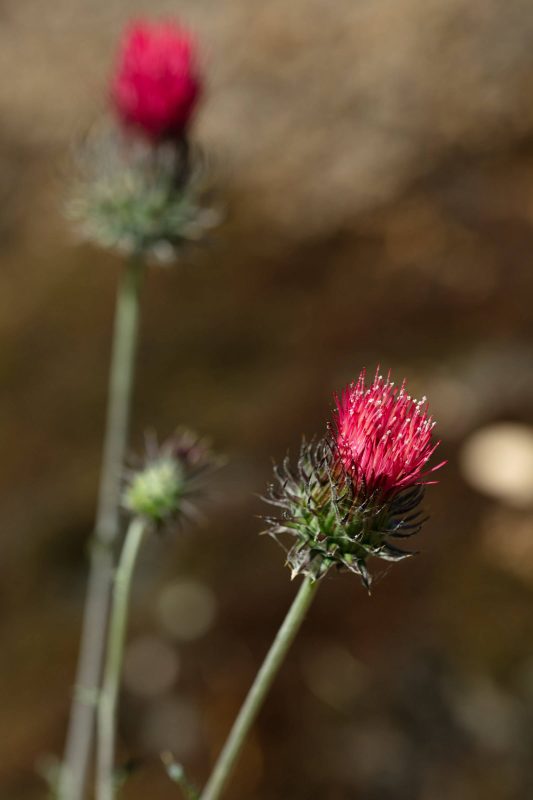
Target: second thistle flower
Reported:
[(144, 190), (358, 490)]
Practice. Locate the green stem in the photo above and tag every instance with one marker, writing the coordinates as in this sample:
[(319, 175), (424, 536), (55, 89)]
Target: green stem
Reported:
[(107, 703), (119, 403), (256, 695), (80, 733)]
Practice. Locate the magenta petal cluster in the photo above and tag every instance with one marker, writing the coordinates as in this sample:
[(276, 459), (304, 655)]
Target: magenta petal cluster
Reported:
[(383, 436), (156, 84)]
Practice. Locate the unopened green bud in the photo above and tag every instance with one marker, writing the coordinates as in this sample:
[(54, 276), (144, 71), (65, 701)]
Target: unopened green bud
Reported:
[(163, 491), (156, 491)]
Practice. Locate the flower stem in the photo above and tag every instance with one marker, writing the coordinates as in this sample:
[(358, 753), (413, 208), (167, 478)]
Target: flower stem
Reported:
[(107, 703), (80, 733), (119, 403), (256, 695)]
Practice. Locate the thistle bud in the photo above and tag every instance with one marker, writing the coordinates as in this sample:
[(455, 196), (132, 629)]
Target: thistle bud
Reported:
[(163, 489), (356, 492)]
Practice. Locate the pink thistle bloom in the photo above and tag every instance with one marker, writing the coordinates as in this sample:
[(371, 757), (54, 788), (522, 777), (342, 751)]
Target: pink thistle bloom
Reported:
[(383, 437), (156, 84), (354, 493)]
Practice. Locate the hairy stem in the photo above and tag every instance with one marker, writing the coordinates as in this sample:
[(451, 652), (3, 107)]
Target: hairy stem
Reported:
[(78, 748), (256, 696), (107, 703)]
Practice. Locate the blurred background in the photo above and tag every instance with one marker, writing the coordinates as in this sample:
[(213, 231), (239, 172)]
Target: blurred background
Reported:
[(375, 161)]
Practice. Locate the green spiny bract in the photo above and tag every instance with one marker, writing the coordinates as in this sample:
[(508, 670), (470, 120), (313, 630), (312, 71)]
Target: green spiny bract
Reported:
[(140, 199), (334, 524)]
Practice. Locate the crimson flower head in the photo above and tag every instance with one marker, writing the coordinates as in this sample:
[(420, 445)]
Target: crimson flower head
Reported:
[(355, 492), (156, 84), (383, 436)]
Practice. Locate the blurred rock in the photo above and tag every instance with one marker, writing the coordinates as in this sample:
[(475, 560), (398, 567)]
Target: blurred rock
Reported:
[(498, 460)]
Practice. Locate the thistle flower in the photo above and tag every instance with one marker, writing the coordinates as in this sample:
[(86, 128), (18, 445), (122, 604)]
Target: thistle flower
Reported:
[(358, 489), (156, 85), (147, 195), (162, 489)]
